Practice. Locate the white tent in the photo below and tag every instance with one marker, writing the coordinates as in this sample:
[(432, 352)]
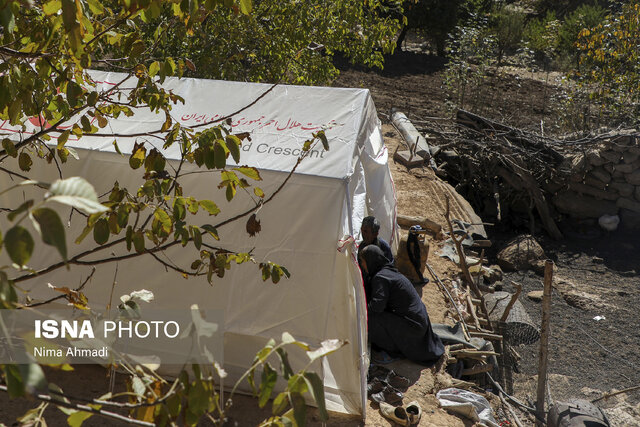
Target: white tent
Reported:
[(306, 228)]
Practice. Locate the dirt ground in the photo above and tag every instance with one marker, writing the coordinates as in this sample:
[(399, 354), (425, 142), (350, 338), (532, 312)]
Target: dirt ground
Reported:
[(596, 272)]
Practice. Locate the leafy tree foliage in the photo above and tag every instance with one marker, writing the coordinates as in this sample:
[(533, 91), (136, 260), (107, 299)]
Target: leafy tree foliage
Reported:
[(610, 62), (288, 41), (46, 48)]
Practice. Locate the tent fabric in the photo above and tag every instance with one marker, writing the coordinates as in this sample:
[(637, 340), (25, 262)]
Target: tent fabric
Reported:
[(311, 227)]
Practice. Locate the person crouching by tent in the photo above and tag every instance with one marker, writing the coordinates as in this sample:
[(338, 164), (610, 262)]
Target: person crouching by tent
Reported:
[(397, 319), (369, 232)]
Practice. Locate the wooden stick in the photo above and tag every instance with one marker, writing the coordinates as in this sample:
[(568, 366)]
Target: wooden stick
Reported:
[(478, 369), (473, 353), (515, 418), (486, 336), (611, 394), (544, 340), (514, 298), (443, 288), (472, 310)]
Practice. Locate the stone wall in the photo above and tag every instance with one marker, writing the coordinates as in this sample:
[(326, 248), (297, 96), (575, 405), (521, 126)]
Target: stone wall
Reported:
[(603, 179)]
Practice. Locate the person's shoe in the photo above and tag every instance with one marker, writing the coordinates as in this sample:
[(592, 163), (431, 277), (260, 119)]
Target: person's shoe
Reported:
[(397, 381), (377, 371), (388, 395), (395, 413), (414, 412), (375, 385)]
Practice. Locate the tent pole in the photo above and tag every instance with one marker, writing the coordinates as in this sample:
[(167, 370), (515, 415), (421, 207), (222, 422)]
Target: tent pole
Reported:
[(363, 374)]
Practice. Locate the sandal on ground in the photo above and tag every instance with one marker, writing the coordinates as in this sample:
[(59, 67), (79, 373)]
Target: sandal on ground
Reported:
[(388, 395), (414, 412), (397, 414)]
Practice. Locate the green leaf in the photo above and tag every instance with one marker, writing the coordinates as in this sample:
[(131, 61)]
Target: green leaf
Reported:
[(82, 235), (24, 161), (287, 338), (138, 241), (179, 209), (233, 144), (129, 237), (197, 237), (51, 7), (192, 205), (154, 68), (8, 295), (15, 385), (7, 19), (19, 244), (314, 383), (220, 157), (258, 192), (245, 6), (51, 229), (62, 139), (323, 139), (210, 207), (137, 156), (279, 404), (299, 408), (76, 419), (269, 378), (22, 208), (249, 172), (9, 147), (74, 92), (78, 193), (164, 219), (101, 231), (211, 230), (285, 366)]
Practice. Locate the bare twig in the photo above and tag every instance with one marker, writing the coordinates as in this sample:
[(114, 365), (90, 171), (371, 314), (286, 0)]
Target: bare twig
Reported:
[(61, 296)]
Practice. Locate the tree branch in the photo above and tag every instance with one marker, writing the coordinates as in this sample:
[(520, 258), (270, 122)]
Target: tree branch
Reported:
[(86, 408)]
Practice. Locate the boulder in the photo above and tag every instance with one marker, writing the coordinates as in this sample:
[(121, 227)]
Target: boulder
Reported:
[(611, 156), (629, 220), (633, 178), (632, 205), (629, 157), (636, 193), (618, 174), (625, 167), (595, 192), (593, 156), (601, 174), (492, 273), (522, 253), (535, 296), (595, 183), (622, 188), (579, 206)]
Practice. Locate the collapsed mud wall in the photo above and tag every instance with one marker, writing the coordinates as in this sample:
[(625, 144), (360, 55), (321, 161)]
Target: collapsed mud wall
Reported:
[(601, 178)]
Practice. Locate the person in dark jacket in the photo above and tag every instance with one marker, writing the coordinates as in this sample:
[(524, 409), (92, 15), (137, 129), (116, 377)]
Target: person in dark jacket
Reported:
[(369, 231), (397, 319)]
